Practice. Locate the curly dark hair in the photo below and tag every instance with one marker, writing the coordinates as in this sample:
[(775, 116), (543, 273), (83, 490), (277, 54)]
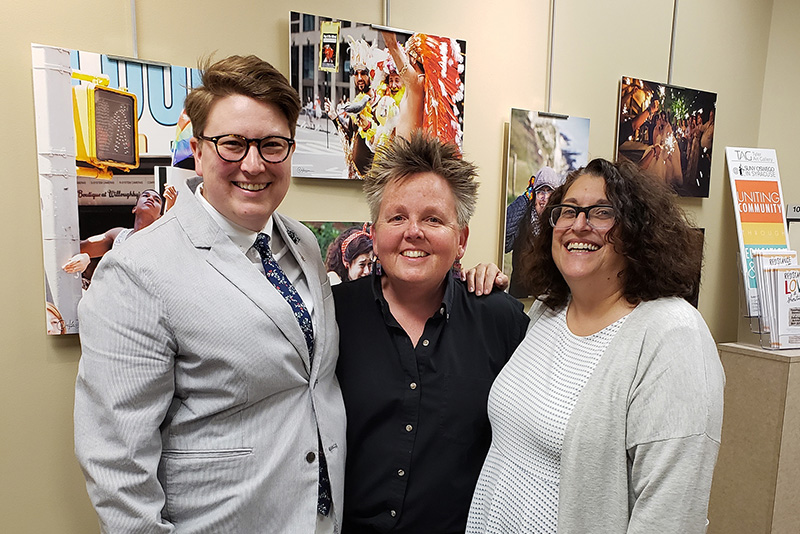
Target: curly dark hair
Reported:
[(334, 261), (663, 250)]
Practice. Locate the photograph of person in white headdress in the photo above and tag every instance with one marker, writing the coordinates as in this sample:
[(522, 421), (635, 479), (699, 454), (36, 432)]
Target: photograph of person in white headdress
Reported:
[(388, 82), (542, 149)]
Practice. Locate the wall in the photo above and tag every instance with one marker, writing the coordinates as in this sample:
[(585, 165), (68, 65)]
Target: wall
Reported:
[(729, 47), (779, 110)]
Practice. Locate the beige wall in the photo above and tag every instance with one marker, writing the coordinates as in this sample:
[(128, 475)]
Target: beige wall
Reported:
[(741, 49), (780, 113)]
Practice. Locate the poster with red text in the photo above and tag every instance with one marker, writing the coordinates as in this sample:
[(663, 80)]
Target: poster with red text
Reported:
[(760, 211)]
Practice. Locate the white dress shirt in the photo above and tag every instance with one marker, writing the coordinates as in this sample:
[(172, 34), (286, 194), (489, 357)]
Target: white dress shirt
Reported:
[(244, 239)]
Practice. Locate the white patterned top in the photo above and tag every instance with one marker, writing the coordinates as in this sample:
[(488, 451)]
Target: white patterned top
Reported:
[(529, 406), (121, 237)]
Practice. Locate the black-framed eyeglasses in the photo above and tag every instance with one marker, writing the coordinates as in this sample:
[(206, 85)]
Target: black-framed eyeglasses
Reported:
[(598, 216), (234, 148)]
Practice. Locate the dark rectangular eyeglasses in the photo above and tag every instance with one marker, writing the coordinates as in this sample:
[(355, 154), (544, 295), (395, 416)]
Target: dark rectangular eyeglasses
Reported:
[(598, 216), (234, 148)]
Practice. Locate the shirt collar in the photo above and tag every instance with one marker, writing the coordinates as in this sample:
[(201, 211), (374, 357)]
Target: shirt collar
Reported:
[(241, 236), (444, 309)]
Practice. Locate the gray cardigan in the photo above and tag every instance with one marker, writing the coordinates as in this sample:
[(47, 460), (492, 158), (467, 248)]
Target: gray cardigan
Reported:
[(641, 443)]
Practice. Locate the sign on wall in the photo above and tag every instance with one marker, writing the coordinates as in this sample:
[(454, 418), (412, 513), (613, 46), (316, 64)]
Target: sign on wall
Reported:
[(759, 208)]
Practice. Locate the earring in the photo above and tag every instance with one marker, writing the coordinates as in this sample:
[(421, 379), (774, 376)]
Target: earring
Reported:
[(376, 267), (456, 270)]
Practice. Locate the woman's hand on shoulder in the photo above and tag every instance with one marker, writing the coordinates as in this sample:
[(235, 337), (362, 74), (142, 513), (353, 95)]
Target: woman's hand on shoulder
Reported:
[(483, 278)]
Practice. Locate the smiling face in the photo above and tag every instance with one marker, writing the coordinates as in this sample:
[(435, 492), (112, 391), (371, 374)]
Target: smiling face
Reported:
[(542, 196), (394, 83), (359, 267), (582, 254), (362, 80), (246, 192), (416, 235)]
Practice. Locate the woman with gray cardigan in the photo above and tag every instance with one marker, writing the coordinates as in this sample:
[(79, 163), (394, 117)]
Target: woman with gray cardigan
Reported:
[(608, 416)]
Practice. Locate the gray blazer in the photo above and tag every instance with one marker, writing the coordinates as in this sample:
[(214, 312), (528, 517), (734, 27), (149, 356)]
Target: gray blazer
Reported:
[(195, 406)]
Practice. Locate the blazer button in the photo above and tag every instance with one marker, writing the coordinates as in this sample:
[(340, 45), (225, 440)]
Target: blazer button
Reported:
[(310, 457)]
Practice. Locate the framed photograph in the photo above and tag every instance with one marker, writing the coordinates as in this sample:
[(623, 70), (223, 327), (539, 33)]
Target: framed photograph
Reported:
[(102, 126), (346, 249), (361, 84), (542, 149), (668, 131)]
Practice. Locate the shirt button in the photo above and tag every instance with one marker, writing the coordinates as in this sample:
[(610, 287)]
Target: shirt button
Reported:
[(441, 310), (310, 457), (425, 342), (392, 513), (413, 385), (409, 428), (400, 473)]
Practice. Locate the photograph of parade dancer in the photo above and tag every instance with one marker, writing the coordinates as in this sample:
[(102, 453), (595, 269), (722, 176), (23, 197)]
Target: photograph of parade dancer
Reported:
[(542, 149), (149, 207), (669, 132), (389, 83), (346, 248)]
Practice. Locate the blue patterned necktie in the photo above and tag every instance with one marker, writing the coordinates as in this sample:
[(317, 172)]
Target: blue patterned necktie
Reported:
[(278, 278)]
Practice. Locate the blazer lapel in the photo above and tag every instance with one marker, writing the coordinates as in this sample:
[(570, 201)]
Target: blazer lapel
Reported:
[(224, 256)]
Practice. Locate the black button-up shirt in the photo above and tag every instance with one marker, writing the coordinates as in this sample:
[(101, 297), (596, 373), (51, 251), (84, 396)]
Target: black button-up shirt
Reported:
[(417, 428)]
